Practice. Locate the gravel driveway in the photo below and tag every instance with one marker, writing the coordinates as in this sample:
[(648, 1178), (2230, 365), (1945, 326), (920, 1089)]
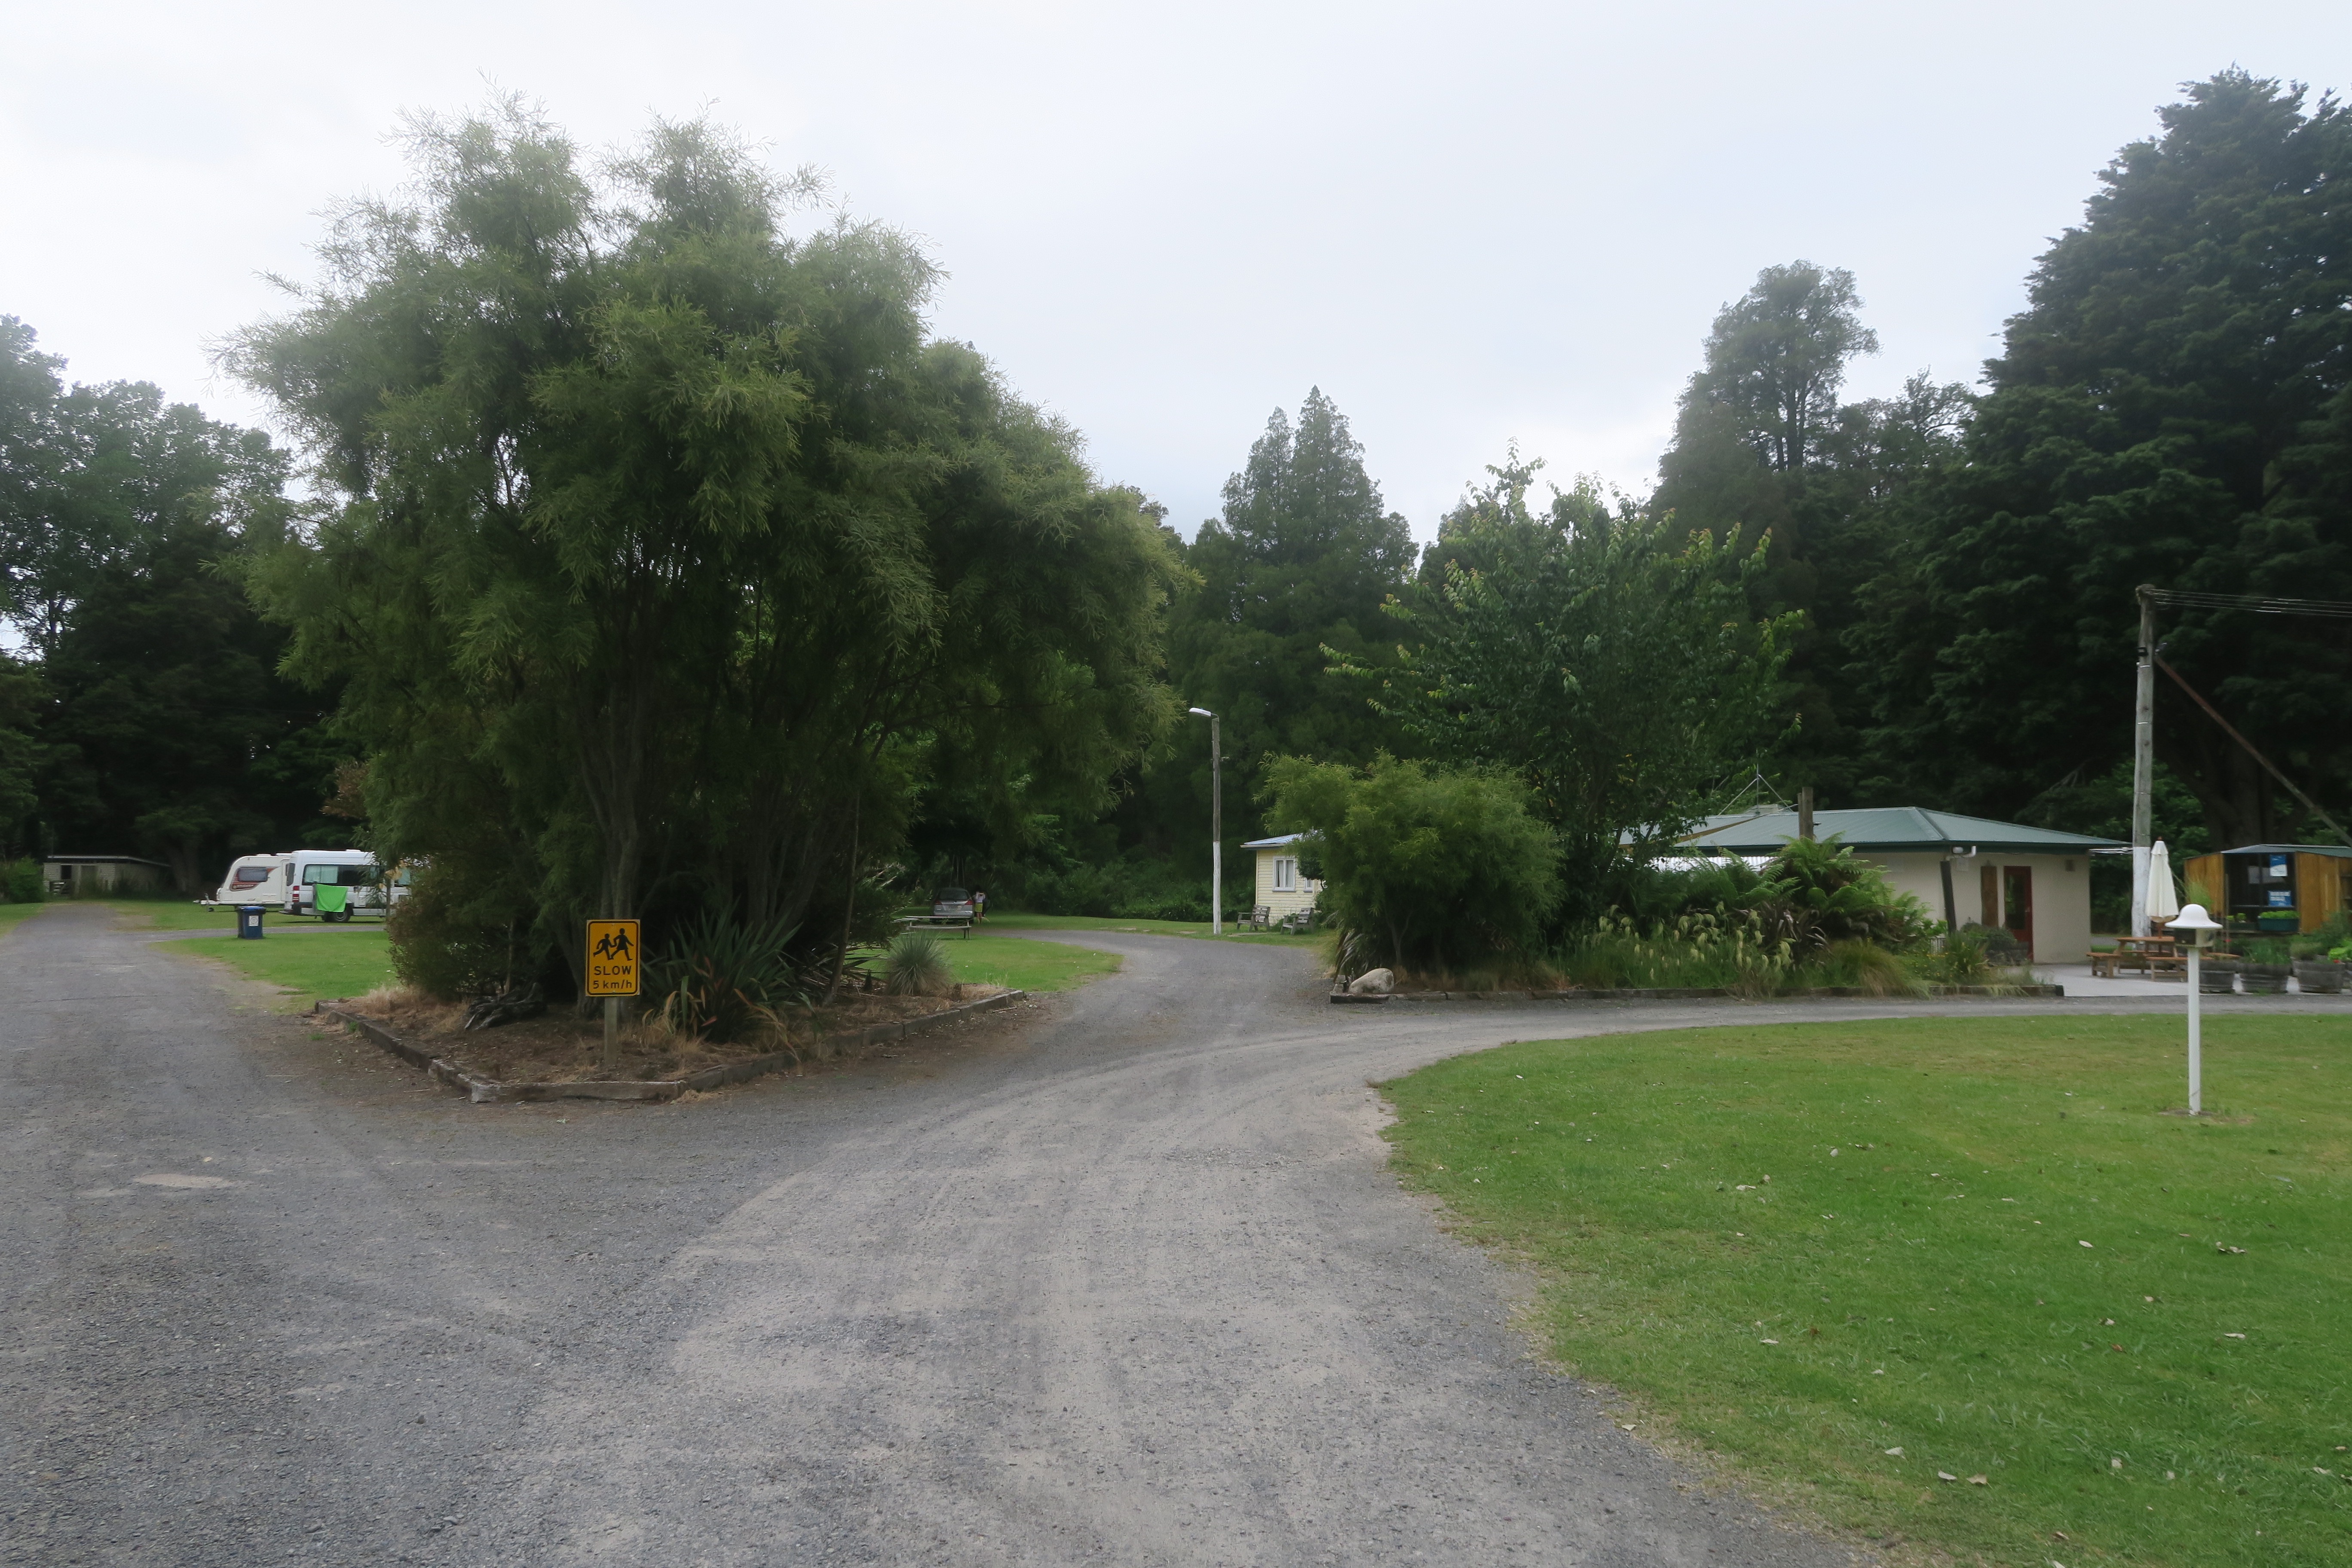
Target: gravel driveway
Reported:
[(1116, 1278)]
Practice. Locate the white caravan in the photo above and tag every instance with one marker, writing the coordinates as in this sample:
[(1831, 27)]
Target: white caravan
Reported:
[(253, 879)]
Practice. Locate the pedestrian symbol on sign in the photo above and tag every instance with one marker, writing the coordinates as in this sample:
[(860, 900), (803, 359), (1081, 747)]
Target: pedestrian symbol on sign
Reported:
[(612, 953)]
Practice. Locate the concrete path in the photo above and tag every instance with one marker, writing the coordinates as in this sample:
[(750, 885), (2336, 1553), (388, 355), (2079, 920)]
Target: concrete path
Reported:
[(1118, 1279)]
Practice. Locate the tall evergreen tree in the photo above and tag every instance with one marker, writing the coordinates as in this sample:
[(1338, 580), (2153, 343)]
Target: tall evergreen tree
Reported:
[(1763, 444), (2173, 406), (1302, 560)]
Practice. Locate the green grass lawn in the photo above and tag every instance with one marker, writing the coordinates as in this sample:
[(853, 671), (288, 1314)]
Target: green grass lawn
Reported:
[(1910, 1293), (347, 961), (1012, 920), (169, 914), (11, 913), (1025, 966)]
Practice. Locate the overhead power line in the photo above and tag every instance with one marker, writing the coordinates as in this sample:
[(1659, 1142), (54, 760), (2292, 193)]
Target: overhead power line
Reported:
[(2331, 609)]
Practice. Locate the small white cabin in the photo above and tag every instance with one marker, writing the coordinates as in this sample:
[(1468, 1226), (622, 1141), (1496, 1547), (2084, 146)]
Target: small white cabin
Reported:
[(1281, 890)]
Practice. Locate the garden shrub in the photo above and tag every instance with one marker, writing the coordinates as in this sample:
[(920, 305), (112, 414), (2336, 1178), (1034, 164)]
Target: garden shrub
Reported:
[(20, 882), (1426, 870)]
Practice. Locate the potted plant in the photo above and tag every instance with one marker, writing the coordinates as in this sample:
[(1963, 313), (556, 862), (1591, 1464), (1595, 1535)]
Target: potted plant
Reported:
[(2217, 974), (2267, 966), (2319, 966)]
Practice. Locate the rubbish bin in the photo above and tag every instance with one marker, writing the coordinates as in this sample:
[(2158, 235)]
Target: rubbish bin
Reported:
[(248, 921)]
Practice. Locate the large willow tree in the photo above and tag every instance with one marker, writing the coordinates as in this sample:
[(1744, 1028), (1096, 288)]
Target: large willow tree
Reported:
[(667, 553)]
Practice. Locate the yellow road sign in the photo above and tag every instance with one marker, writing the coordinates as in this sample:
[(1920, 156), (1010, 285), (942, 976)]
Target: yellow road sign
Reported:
[(613, 958)]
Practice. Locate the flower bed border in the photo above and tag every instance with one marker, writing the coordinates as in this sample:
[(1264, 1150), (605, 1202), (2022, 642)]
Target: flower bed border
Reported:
[(1688, 993), (484, 1091)]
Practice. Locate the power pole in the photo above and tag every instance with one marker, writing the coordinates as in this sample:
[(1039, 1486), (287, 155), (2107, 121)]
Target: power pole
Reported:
[(2144, 761), (1805, 812)]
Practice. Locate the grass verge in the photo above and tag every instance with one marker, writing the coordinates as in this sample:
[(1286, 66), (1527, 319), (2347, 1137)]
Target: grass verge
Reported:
[(349, 962), (11, 913), (1909, 1302), (169, 914), (1025, 966)]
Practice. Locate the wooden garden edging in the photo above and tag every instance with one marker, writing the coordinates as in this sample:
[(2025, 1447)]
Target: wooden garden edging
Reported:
[(483, 1091)]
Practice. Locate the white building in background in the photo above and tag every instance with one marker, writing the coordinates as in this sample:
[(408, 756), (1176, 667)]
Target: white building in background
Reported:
[(1281, 890)]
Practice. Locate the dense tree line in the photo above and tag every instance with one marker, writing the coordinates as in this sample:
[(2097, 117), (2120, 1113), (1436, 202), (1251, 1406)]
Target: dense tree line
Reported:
[(140, 707), (1937, 588), (654, 556)]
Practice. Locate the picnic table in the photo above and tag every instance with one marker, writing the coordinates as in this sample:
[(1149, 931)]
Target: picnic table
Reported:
[(2158, 957), (937, 923)]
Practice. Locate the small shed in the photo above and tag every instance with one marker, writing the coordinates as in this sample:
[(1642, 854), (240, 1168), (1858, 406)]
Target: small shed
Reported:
[(2031, 882), (2275, 887), (1281, 890), (93, 875)]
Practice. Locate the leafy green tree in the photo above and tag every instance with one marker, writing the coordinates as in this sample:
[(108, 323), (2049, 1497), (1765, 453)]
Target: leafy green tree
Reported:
[(21, 703), (1609, 659), (2172, 407), (159, 724), (670, 558), (1426, 870)]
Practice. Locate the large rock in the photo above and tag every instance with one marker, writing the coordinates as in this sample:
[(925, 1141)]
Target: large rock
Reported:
[(1374, 982)]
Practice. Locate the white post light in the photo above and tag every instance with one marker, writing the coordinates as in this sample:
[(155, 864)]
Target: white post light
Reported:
[(2197, 922), (1216, 824)]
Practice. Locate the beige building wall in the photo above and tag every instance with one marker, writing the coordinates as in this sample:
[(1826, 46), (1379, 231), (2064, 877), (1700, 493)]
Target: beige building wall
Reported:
[(2061, 895), (1279, 902)]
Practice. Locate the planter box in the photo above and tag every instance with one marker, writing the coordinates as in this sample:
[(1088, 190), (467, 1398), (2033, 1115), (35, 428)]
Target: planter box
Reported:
[(2319, 977), (2216, 977), (2264, 979)]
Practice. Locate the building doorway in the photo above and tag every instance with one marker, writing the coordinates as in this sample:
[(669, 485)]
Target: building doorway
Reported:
[(2017, 904)]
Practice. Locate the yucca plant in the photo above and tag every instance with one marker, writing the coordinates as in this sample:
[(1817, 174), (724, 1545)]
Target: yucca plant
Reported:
[(721, 980), (915, 965)]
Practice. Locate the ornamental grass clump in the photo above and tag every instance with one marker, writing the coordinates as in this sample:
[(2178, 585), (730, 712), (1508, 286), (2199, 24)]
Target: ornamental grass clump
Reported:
[(915, 965)]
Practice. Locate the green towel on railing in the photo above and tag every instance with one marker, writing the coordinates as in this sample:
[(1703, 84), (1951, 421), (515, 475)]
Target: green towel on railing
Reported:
[(334, 899)]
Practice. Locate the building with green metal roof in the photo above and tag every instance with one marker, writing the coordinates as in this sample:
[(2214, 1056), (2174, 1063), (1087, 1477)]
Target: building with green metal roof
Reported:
[(2032, 882)]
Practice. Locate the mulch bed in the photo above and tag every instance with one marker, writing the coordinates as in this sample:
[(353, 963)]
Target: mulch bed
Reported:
[(559, 1047)]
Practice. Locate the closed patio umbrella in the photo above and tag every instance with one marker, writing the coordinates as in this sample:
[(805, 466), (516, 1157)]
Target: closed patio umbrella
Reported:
[(2163, 903)]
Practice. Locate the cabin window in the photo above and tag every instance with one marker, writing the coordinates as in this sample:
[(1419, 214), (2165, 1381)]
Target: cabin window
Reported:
[(246, 875), (1286, 874), (345, 876)]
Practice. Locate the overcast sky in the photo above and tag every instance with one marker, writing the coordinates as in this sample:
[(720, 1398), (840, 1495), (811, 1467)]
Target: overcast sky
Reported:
[(1465, 223)]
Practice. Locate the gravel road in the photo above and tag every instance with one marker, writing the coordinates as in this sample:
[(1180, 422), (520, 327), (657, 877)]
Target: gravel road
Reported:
[(1120, 1277)]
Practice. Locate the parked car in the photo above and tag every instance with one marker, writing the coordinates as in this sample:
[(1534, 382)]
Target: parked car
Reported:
[(951, 904), (252, 879)]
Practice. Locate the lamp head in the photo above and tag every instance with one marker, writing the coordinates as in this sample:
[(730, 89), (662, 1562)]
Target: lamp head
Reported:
[(1200, 713), (2193, 917)]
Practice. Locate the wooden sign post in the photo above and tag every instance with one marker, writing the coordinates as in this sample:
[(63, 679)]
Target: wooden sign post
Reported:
[(613, 963)]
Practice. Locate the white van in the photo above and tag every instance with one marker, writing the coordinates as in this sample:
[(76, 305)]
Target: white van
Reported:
[(252, 879), (360, 882)]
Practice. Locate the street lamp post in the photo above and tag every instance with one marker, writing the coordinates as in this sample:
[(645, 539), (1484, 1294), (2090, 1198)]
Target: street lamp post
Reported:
[(2193, 918), (1217, 823)]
